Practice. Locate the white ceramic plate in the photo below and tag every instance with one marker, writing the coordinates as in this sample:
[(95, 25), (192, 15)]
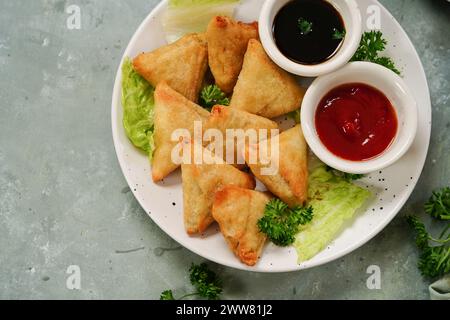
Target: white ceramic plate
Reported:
[(391, 187)]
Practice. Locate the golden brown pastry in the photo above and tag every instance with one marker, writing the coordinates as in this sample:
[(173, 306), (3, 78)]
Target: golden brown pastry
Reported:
[(182, 65), (224, 118), (172, 112), (201, 182), (227, 43), (263, 88), (237, 212), (290, 181)]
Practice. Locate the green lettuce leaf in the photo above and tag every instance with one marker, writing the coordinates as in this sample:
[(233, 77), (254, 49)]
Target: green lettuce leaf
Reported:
[(192, 16), (138, 107), (334, 201)]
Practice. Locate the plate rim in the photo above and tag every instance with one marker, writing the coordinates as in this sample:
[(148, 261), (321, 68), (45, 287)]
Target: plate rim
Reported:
[(116, 96)]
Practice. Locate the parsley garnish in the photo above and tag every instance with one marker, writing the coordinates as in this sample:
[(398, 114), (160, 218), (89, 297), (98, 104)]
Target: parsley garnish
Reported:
[(338, 35), (295, 115), (167, 295), (281, 223), (439, 204), (304, 25), (372, 43), (212, 95), (434, 259), (347, 176), (208, 285), (352, 176)]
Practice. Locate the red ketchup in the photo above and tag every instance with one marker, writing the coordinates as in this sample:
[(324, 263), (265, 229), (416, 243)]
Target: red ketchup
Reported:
[(356, 122)]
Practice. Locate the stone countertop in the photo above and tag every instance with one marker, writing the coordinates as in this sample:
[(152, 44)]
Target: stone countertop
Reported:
[(64, 201)]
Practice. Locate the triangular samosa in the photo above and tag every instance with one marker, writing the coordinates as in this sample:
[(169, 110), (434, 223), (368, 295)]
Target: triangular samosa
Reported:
[(263, 88), (289, 181), (201, 182), (172, 112), (237, 212), (225, 118), (227, 43), (182, 65)]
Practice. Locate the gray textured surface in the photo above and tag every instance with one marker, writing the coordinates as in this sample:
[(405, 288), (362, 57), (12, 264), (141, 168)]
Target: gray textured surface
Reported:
[(64, 201)]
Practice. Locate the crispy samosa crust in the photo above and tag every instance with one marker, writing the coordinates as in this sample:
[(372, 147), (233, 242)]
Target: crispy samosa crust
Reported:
[(227, 43), (182, 65), (172, 112), (201, 182), (263, 88), (224, 118), (290, 181), (237, 211)]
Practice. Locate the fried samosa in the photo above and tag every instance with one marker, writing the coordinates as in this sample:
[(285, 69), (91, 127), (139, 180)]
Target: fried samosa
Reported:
[(201, 182), (263, 88), (290, 181), (237, 212), (225, 118), (227, 43), (182, 65), (172, 112)]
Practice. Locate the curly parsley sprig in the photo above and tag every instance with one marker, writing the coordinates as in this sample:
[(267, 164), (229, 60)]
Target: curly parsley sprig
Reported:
[(281, 223), (347, 176), (372, 44), (212, 95), (167, 295), (304, 26), (338, 34), (208, 285), (439, 204), (434, 259)]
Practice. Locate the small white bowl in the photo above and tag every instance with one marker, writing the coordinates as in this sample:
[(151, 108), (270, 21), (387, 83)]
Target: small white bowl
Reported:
[(378, 77), (351, 16)]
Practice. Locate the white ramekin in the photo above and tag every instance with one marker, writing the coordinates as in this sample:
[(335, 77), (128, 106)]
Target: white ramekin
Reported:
[(384, 80), (353, 24)]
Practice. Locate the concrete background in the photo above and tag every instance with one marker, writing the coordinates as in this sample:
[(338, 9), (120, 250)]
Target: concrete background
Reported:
[(64, 201)]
